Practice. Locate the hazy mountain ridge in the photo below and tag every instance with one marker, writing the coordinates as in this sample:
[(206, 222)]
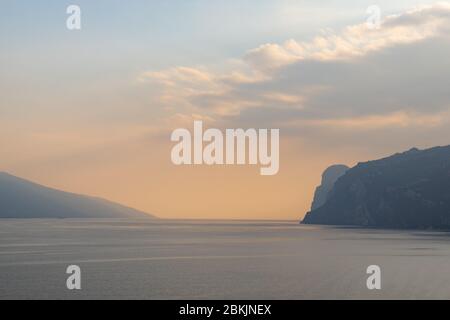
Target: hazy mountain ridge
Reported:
[(20, 198), (406, 190)]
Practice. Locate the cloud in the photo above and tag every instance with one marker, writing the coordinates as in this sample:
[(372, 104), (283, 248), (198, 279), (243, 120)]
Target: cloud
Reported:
[(412, 26), (270, 56), (358, 78), (180, 75), (400, 119)]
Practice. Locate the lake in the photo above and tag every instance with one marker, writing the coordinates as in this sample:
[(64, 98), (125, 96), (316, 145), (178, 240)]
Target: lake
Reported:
[(190, 259)]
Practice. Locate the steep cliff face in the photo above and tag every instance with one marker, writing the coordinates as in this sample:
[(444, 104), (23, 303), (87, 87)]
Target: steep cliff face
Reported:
[(407, 190), (329, 177)]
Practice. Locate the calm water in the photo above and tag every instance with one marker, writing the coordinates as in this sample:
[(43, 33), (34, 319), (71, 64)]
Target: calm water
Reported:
[(217, 260)]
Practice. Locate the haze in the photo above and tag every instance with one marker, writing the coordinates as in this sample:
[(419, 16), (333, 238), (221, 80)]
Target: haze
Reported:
[(91, 111)]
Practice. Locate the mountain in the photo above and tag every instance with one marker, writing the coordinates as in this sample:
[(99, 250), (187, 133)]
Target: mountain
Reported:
[(20, 198), (408, 190), (329, 177)]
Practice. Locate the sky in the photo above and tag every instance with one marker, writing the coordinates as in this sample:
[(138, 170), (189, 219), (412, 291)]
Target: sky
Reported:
[(91, 111)]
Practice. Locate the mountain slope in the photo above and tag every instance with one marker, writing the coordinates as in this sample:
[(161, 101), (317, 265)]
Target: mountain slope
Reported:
[(20, 198), (407, 190)]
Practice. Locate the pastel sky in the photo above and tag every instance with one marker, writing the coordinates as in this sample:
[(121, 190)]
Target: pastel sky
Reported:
[(91, 111)]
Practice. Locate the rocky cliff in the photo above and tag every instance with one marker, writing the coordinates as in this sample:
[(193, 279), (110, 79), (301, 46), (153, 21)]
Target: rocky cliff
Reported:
[(329, 177), (406, 190)]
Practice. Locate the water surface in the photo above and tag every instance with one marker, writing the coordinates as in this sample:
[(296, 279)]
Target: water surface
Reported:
[(122, 259)]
